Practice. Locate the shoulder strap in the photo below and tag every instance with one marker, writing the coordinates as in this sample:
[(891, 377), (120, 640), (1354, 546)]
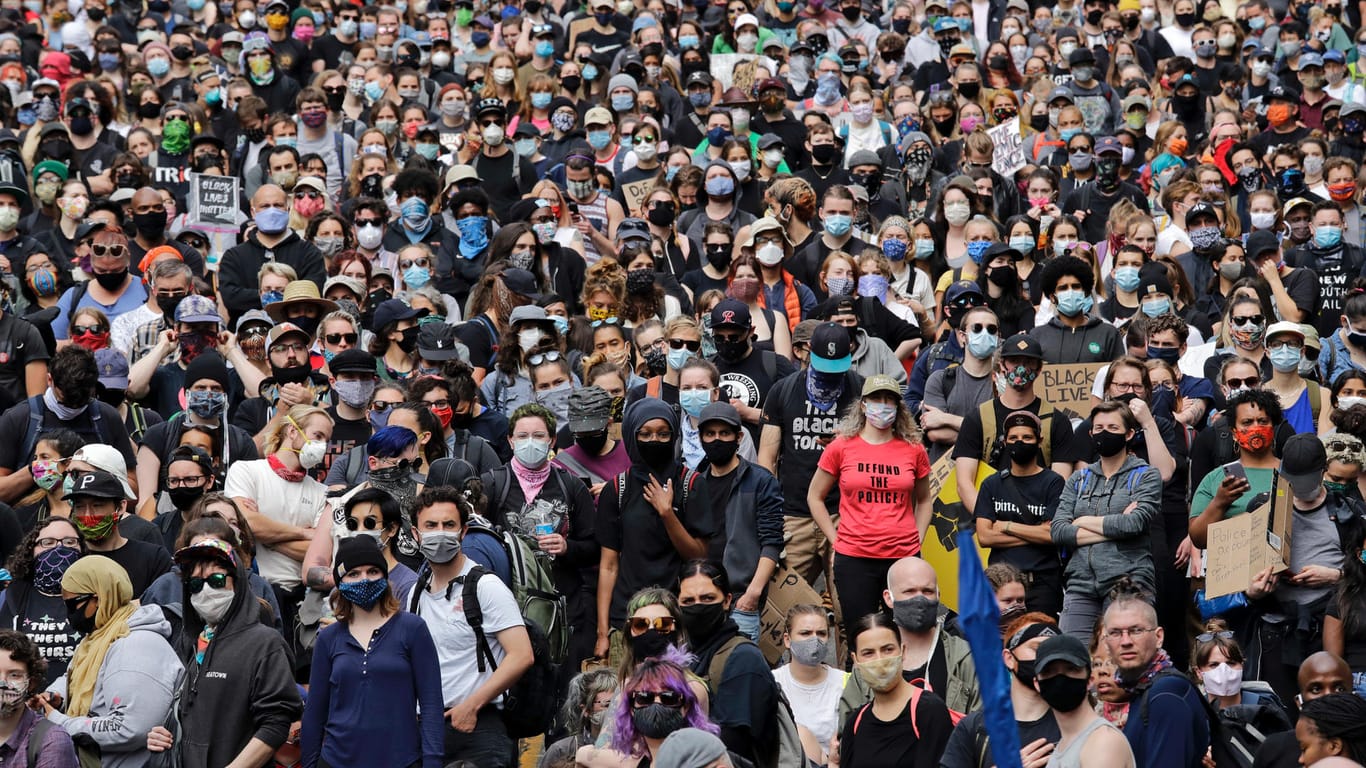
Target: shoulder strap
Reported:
[(139, 420), (987, 411), (474, 614), (717, 668), (502, 478), (35, 425), (1314, 399), (913, 704), (354, 458), (36, 737), (770, 361), (621, 492), (462, 442), (1046, 415)]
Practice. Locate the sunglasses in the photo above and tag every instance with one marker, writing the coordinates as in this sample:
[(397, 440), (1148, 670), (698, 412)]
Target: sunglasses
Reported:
[(337, 338), (311, 194), (335, 91), (195, 584), (180, 118), (77, 604), (1251, 382), (1208, 636), (1248, 321), (379, 406), (990, 328), (543, 357), (664, 625), (643, 699), (370, 524), (114, 251), (367, 222), (420, 261), (692, 346), (81, 330), (1342, 446)]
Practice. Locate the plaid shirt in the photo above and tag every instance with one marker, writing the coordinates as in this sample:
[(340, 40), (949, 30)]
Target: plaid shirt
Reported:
[(145, 339)]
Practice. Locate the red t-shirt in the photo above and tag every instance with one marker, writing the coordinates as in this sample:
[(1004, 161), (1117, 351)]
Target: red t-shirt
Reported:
[(877, 495)]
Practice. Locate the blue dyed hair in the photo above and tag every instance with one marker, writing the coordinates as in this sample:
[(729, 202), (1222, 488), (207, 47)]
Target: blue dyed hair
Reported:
[(390, 442)]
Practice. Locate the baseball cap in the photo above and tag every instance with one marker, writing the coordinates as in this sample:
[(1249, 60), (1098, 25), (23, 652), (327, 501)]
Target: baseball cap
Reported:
[(521, 282), (197, 309), (436, 341), (1285, 326), (113, 368), (282, 330), (633, 229), (459, 173), (1064, 648), (392, 311), (206, 549), (961, 289), (1110, 145), (769, 140), (1022, 419), (1310, 59), (1080, 55), (762, 225), (96, 483), (1294, 203), (354, 360), (1022, 345), (732, 313), (490, 104), (880, 382), (1060, 93), (1200, 209), (598, 116), (1136, 100), (831, 349), (1283, 93), (254, 316), (1303, 460), (590, 410), (1260, 242), (719, 411)]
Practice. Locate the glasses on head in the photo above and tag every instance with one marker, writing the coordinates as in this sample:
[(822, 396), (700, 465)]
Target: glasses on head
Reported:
[(690, 345), (369, 523), (420, 261), (81, 330), (654, 437), (1251, 382), (990, 328), (195, 584), (109, 251), (1208, 636), (337, 338), (184, 482), (670, 699), (664, 624), (48, 542), (543, 357), (1133, 632)]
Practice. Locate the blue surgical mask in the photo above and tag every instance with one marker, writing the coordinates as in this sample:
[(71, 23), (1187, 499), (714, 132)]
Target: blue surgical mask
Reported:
[(622, 102), (1127, 278), (1157, 308), (688, 41), (599, 139), (677, 357), (977, 251), (720, 186), (541, 99), (415, 277), (924, 248), (1285, 359), (545, 48), (525, 147), (1066, 134), (692, 401), (839, 224), (373, 90), (1073, 302), (590, 71), (1022, 243), (982, 344), (1327, 236)]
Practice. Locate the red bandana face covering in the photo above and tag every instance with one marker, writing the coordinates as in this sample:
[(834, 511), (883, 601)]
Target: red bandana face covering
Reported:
[(1255, 438)]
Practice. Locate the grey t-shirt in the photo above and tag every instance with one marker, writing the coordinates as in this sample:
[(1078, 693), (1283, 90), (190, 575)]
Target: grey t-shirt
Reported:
[(966, 395), (1315, 542)]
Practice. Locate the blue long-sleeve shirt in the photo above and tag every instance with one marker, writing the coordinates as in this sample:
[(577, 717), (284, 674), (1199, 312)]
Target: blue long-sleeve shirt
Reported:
[(1175, 733), (363, 703), (928, 363)]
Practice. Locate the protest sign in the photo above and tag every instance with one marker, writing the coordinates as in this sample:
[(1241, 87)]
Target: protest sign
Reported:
[(1241, 547), (635, 193), (786, 589), (1068, 386), (214, 201), (1009, 155)]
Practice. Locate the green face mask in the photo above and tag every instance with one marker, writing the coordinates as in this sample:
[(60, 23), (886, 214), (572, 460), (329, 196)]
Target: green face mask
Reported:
[(1333, 487), (463, 17), (175, 136)]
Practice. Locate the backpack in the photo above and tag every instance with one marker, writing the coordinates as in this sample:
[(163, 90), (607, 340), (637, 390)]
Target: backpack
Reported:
[(687, 476), (530, 704), (1233, 740), (355, 458), (36, 409), (533, 578), (914, 704), (788, 749)]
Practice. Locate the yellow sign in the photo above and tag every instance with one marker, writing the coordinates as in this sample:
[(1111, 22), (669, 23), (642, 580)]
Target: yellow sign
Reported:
[(940, 547)]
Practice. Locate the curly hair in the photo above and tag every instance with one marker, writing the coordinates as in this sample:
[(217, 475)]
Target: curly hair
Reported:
[(23, 650), (905, 426), (533, 411), (20, 563), (607, 276)]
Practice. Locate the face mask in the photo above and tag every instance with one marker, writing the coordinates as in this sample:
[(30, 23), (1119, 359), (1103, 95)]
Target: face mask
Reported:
[(873, 286), (881, 674), (1285, 359), (957, 213), (1023, 454), (95, 527), (530, 452), (982, 344), (47, 477), (702, 620), (1072, 303), (916, 614), (206, 405), (719, 452), (657, 721), (212, 604), (1254, 439), (312, 453), (364, 593), (1223, 680), (1327, 236), (1063, 693), (1108, 444), (272, 221), (880, 415), (694, 400), (1067, 134), (770, 255), (924, 248), (1081, 161), (440, 547), (1127, 278), (810, 651), (1157, 308), (50, 567), (720, 186), (840, 286)]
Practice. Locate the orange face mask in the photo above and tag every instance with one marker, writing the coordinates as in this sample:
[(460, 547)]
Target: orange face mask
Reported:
[(1278, 114), (1178, 147)]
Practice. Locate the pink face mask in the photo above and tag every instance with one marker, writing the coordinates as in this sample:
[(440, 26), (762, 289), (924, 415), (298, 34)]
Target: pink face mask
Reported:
[(969, 123), (303, 34), (308, 207)]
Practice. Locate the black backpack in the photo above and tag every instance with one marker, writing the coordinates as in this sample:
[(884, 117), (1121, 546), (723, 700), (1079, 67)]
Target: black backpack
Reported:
[(1235, 733)]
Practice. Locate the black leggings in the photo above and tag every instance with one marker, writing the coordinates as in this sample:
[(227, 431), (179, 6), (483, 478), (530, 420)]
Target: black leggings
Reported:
[(860, 582)]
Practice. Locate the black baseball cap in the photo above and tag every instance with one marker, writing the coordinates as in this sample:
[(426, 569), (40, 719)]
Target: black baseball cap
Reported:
[(731, 313), (831, 349), (1022, 345)]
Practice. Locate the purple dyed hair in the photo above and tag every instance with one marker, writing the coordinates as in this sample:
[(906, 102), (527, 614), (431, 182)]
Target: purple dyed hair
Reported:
[(655, 674)]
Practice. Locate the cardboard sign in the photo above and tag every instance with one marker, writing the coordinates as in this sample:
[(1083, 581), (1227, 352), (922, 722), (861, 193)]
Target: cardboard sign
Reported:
[(939, 473), (1241, 547), (1009, 154), (214, 201), (1068, 386), (635, 194), (786, 589)]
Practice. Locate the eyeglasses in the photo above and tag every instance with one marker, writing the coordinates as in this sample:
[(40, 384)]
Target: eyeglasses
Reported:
[(81, 330), (990, 328), (370, 524), (337, 338), (309, 194), (643, 699), (195, 584), (691, 346), (437, 405), (184, 482), (1288, 343), (1127, 387), (420, 261), (654, 437), (47, 542), (380, 406), (1251, 382), (177, 117), (664, 624), (1208, 636), (1248, 320), (297, 347), (543, 357), (1335, 446), (112, 251), (1133, 632)]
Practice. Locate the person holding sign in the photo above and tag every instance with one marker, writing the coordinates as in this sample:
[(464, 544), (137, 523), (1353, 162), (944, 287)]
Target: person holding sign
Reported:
[(1103, 519), (1228, 490)]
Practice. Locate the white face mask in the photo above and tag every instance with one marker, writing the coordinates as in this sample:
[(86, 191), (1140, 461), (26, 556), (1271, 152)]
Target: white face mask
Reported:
[(1347, 402), (212, 604), (772, 157), (1223, 680), (529, 338), (770, 255), (503, 75), (311, 455)]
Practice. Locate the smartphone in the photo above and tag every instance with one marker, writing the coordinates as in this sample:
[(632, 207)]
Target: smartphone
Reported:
[(573, 208), (1235, 469)]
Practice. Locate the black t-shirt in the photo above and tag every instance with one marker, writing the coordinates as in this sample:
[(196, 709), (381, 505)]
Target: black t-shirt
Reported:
[(20, 344), (969, 748), (1353, 644), (1280, 750), (1268, 139), (43, 619), (750, 379), (1063, 448), (1026, 500), (14, 426), (606, 43), (346, 434), (95, 160), (805, 433), (135, 528), (1097, 205), (700, 282), (502, 180), (143, 561), (330, 50), (718, 497), (480, 337), (869, 742)]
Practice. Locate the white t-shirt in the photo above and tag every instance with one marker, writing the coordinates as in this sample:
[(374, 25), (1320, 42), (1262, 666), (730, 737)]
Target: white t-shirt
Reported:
[(815, 707), (456, 647), (298, 504), (1168, 237)]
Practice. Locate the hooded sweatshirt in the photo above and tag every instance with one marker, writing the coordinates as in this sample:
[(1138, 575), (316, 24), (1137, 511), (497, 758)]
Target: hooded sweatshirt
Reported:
[(133, 691), (243, 689)]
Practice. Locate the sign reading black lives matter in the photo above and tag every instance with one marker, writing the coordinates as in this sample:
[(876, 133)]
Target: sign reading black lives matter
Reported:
[(214, 201)]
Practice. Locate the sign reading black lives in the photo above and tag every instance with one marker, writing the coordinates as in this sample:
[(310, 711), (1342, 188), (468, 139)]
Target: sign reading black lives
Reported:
[(214, 200)]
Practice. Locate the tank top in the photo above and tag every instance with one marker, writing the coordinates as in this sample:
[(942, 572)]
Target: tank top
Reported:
[(1071, 756), (596, 213)]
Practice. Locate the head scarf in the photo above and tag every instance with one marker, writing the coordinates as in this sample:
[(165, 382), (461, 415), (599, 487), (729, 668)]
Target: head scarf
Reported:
[(106, 580), (636, 415)]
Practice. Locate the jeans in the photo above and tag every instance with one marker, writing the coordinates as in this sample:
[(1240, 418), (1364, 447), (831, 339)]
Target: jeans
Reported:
[(487, 746), (1080, 612), (748, 622)]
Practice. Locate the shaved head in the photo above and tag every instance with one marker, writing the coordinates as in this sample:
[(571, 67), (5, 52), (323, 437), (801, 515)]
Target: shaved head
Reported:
[(910, 577), (1323, 673)]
